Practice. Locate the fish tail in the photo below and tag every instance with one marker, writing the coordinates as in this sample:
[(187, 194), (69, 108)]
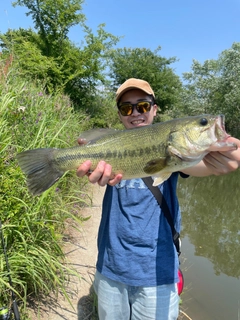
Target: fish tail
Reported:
[(40, 168)]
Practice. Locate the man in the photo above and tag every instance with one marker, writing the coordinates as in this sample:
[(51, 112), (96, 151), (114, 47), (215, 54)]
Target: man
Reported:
[(137, 261)]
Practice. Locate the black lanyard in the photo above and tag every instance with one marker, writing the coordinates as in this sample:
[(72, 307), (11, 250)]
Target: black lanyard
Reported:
[(165, 209)]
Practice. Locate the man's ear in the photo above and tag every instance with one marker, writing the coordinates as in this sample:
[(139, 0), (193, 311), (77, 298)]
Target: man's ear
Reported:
[(156, 108)]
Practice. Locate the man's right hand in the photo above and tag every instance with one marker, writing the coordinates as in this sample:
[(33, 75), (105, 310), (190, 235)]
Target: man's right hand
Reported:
[(101, 175)]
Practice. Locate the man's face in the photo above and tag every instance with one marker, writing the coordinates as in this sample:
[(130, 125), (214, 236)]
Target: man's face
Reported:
[(137, 119)]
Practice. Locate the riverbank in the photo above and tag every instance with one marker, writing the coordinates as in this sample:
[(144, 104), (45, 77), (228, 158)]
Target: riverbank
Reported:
[(81, 251)]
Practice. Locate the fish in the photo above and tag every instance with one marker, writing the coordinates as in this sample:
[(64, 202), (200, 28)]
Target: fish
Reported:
[(155, 150)]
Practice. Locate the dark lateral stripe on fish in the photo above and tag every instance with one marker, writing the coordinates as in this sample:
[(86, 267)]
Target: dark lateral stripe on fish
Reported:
[(112, 154)]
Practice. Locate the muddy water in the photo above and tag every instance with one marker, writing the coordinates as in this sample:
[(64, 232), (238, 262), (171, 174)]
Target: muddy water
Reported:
[(211, 246)]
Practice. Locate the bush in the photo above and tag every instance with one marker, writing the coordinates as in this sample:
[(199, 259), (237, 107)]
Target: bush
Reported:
[(33, 226)]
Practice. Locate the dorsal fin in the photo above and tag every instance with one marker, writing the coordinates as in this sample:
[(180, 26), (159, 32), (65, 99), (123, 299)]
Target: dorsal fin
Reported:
[(91, 135)]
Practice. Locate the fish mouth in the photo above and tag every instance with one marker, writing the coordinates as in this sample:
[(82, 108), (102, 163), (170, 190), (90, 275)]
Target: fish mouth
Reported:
[(222, 121), (220, 130)]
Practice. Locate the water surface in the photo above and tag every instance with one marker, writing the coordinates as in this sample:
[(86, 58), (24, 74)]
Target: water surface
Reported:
[(211, 246)]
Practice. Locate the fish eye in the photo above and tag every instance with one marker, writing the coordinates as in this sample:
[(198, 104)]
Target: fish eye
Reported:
[(203, 121)]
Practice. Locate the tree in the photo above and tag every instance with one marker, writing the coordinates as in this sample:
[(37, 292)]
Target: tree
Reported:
[(53, 19), (229, 86), (144, 64), (28, 59), (50, 56), (201, 86), (214, 87)]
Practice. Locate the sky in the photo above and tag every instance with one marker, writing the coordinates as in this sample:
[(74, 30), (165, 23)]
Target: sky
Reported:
[(185, 29)]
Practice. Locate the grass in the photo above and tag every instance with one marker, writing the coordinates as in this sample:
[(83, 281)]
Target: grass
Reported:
[(183, 315), (33, 226)]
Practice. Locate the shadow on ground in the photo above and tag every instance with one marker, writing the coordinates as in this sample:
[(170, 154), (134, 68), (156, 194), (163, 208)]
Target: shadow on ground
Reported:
[(87, 306)]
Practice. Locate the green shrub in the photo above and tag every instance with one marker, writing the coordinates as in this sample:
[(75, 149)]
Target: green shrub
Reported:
[(33, 226)]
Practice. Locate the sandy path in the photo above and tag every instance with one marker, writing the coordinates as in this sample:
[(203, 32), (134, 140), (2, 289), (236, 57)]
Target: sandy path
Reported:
[(81, 253)]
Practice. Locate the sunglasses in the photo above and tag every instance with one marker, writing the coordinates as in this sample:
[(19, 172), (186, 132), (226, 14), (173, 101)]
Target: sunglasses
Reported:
[(126, 109)]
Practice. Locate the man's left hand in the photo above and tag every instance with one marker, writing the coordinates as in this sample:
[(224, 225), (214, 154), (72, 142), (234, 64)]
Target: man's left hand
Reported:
[(222, 162)]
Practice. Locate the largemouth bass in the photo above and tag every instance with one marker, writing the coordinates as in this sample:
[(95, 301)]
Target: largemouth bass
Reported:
[(156, 150)]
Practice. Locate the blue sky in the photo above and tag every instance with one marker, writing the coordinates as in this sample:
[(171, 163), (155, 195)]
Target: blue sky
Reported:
[(187, 29)]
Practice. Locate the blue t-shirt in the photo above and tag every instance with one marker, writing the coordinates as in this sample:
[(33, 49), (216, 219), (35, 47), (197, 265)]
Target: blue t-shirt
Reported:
[(135, 240)]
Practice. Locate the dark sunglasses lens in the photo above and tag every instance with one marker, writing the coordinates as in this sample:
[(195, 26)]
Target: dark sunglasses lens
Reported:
[(143, 106), (126, 109)]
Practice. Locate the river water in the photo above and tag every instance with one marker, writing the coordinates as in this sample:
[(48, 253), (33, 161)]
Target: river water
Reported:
[(210, 257)]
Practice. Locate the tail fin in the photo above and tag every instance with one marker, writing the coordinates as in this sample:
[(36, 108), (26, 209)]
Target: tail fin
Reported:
[(41, 170)]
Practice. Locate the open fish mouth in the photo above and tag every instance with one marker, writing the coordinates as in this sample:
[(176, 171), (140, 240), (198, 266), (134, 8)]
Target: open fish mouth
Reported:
[(221, 119), (220, 128)]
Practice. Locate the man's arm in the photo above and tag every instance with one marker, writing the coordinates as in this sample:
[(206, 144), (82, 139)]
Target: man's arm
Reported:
[(217, 162)]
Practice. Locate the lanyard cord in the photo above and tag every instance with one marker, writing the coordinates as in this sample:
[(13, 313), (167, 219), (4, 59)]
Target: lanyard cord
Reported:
[(165, 209)]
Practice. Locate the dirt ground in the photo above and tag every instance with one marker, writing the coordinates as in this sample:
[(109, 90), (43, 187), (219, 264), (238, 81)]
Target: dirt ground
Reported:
[(81, 252)]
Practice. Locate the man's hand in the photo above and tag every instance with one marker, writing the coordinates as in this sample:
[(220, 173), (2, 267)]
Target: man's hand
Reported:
[(102, 174), (217, 162), (222, 162)]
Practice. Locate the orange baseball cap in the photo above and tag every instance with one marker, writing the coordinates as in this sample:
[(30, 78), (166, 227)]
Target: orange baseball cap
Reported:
[(133, 83)]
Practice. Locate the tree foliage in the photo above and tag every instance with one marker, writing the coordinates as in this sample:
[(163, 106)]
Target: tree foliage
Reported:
[(29, 61), (53, 19), (144, 64), (214, 87), (50, 56)]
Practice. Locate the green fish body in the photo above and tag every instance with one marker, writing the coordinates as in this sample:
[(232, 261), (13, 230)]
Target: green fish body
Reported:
[(156, 150)]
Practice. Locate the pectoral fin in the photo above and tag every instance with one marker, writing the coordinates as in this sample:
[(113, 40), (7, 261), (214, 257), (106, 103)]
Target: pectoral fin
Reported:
[(155, 166), (160, 179)]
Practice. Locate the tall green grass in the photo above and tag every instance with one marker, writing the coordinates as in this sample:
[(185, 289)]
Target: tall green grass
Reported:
[(33, 226)]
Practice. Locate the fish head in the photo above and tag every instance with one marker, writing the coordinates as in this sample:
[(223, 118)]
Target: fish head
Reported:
[(189, 140), (193, 137)]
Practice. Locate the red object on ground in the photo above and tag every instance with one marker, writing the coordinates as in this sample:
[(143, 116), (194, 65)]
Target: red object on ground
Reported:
[(180, 283)]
